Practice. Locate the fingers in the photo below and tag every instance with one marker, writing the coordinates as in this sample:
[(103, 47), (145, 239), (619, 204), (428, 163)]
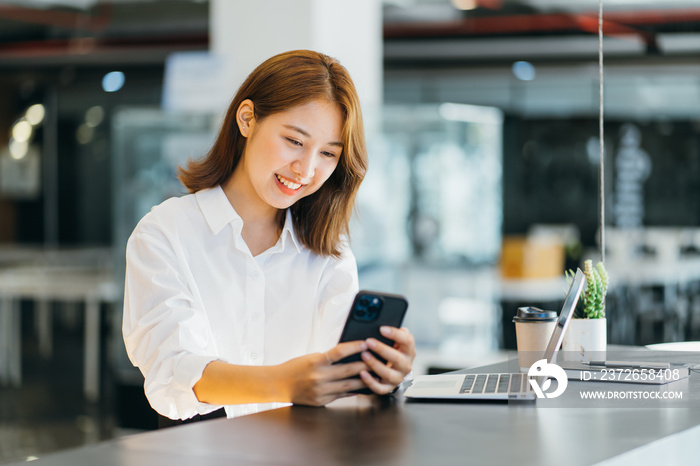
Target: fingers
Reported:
[(344, 371), (343, 387), (401, 337), (375, 385), (339, 352), (343, 381), (314, 381), (343, 350), (401, 356), (387, 374), (399, 360)]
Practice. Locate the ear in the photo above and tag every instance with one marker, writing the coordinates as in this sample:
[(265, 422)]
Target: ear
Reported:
[(245, 117)]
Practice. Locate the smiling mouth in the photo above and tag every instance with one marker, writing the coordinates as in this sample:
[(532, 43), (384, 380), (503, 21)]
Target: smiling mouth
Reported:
[(289, 184)]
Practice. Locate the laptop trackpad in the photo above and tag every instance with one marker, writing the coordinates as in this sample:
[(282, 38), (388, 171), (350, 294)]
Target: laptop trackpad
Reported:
[(437, 384)]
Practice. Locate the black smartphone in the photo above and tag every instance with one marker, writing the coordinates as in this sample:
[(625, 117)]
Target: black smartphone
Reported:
[(371, 310)]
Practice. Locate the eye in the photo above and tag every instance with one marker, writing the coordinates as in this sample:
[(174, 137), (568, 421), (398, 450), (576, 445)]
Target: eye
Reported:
[(294, 142), (328, 154)]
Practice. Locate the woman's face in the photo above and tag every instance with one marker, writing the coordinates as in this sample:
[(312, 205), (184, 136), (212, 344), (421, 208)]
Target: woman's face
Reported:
[(289, 155)]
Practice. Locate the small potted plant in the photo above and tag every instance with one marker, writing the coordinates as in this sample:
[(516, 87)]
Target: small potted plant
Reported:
[(586, 337)]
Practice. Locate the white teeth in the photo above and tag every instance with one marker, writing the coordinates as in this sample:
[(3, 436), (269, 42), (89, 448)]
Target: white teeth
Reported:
[(288, 183)]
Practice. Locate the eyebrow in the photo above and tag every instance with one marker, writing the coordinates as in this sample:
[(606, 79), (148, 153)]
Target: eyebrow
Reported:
[(305, 133)]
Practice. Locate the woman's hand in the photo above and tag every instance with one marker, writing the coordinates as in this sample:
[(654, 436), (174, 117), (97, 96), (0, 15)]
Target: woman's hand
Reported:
[(399, 360), (314, 380)]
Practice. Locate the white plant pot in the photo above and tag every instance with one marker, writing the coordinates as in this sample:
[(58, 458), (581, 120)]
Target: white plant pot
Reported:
[(585, 340)]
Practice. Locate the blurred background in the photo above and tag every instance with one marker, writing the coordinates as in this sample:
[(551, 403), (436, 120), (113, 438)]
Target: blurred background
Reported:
[(483, 130)]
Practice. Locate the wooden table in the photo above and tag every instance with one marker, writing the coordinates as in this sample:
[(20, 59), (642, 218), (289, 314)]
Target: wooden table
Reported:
[(392, 431)]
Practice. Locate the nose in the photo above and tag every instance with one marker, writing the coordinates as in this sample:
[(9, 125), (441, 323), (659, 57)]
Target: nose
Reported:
[(305, 166)]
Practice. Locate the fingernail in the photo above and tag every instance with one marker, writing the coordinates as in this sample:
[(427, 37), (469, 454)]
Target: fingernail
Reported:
[(371, 342), (363, 346), (386, 331), (365, 355)]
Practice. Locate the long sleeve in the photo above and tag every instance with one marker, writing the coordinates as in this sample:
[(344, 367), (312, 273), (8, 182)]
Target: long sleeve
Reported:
[(165, 329), (337, 289)]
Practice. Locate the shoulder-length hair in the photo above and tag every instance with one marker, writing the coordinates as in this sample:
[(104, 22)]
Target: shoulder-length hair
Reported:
[(280, 83)]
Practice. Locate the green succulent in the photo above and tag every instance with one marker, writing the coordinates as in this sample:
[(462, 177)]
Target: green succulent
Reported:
[(592, 303)]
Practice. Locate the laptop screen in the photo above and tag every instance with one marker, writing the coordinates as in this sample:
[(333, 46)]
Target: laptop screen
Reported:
[(567, 311)]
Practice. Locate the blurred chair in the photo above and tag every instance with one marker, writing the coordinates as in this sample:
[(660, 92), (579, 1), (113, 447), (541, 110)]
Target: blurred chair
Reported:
[(657, 270), (65, 276)]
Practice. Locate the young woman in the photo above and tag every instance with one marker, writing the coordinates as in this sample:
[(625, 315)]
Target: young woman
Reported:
[(236, 294)]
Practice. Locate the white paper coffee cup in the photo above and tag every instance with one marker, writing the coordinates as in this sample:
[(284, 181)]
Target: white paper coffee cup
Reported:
[(533, 329)]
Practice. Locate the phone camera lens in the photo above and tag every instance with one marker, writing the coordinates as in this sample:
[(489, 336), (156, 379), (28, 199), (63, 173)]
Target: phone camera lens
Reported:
[(367, 308)]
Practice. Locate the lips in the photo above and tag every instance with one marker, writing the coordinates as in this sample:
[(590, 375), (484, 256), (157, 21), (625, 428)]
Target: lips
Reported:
[(290, 185)]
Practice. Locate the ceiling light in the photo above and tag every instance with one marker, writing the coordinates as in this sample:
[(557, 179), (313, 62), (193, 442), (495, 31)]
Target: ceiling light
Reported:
[(35, 114), (22, 130), (94, 116), (524, 70), (113, 81)]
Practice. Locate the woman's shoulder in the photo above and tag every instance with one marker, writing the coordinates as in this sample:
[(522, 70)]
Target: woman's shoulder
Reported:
[(171, 213), (174, 206), (344, 258)]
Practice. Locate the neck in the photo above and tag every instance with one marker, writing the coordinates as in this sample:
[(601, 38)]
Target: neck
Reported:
[(251, 209), (261, 222)]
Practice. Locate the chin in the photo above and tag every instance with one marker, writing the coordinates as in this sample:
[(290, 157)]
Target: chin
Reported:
[(283, 204)]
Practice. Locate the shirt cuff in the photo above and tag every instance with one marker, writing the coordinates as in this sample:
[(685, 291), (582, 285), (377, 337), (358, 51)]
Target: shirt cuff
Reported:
[(187, 373)]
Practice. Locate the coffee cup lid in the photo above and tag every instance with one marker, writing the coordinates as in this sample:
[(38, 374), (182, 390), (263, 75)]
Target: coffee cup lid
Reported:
[(534, 314)]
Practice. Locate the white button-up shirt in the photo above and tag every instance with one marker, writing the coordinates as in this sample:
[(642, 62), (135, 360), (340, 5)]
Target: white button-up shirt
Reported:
[(194, 293)]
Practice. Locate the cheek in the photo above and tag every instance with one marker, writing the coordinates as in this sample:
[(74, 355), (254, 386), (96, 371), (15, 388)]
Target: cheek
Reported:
[(270, 155), (327, 169), (323, 173)]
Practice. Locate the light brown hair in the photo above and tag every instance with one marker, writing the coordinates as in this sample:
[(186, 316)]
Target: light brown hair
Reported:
[(281, 83)]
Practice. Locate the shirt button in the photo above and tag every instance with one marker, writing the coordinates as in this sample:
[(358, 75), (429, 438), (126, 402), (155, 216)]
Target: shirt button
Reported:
[(255, 316), (253, 356)]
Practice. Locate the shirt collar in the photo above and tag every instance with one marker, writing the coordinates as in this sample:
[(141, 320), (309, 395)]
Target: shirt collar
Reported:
[(288, 231), (217, 210)]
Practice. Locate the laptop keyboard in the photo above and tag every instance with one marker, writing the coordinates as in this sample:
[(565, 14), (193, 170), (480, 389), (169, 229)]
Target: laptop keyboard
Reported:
[(495, 383)]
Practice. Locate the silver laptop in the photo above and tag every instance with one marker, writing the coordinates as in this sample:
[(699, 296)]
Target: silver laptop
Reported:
[(497, 386)]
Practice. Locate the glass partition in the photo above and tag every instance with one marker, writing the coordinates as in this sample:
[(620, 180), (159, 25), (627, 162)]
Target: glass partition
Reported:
[(433, 190)]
